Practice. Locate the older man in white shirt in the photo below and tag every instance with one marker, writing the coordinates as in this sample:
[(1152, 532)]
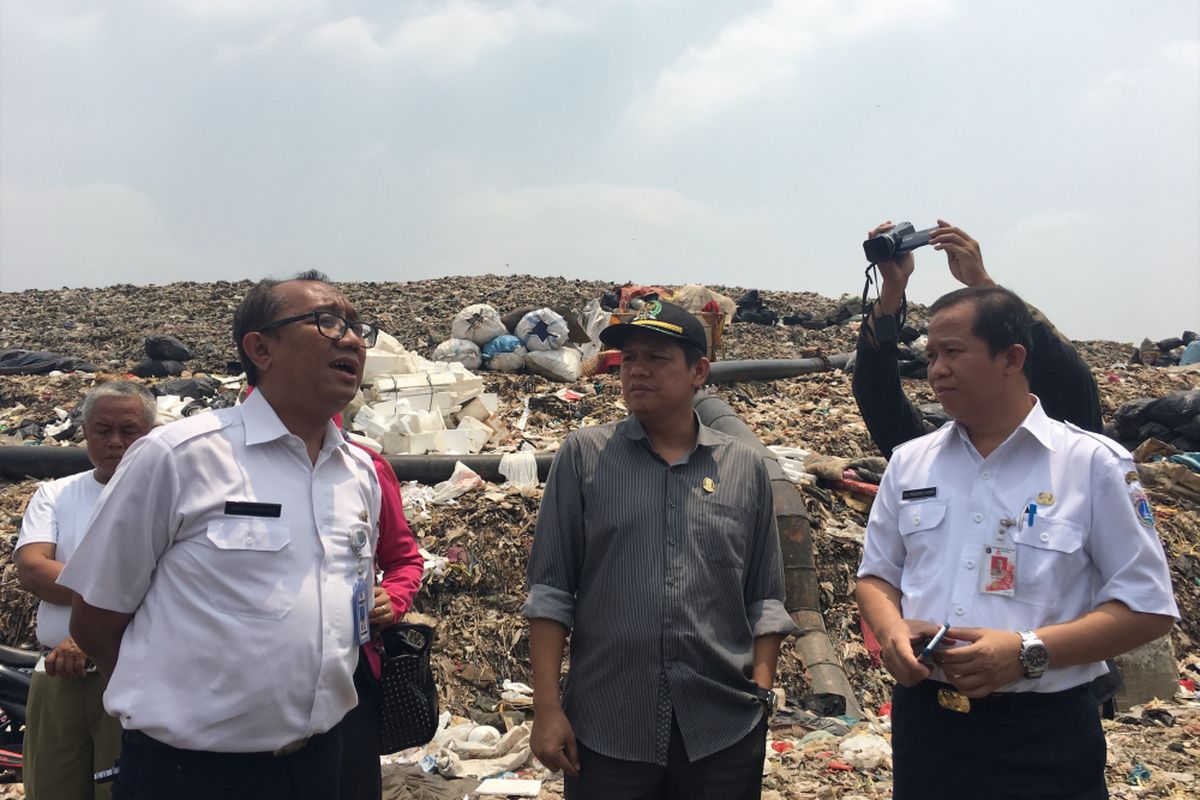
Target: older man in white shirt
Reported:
[(226, 578), (68, 735), (1033, 540)]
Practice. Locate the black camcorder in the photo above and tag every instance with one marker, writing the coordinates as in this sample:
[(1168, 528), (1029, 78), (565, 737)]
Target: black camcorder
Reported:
[(898, 241)]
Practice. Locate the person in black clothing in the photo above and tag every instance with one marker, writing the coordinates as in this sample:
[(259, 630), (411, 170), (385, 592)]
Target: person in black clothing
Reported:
[(1057, 375)]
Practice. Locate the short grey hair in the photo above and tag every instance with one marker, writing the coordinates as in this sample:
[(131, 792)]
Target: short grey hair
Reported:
[(120, 389)]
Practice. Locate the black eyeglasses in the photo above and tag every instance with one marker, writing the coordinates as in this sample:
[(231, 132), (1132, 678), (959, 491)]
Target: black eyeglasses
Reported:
[(331, 326)]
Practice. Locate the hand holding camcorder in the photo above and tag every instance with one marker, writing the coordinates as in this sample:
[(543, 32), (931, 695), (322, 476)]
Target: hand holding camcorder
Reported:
[(896, 242)]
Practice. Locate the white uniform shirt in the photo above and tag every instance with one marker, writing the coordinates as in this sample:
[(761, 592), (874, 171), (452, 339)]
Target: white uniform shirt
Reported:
[(1087, 545), (58, 514), (242, 637)]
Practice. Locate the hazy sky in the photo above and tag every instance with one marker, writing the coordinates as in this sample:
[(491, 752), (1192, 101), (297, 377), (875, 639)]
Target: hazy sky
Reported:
[(671, 141)]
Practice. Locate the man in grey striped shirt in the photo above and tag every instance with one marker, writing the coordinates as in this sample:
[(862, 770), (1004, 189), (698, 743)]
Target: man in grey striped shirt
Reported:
[(656, 551)]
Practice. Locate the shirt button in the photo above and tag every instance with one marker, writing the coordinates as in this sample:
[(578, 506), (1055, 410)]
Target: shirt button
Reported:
[(671, 542), (978, 517), (666, 622), (970, 564), (916, 519), (1045, 537), (959, 610), (985, 474), (672, 504)]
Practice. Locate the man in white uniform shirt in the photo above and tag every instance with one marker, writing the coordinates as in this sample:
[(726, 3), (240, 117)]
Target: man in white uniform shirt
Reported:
[(1033, 539), (226, 577), (68, 735)]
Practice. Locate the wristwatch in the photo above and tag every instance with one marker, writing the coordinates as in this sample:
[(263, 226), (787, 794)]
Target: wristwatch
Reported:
[(768, 698), (1034, 656)]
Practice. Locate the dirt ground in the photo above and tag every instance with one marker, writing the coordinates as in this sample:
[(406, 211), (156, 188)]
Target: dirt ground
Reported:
[(481, 638)]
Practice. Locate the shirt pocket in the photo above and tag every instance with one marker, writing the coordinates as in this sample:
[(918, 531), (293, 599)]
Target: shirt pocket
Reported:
[(247, 567), (1048, 556), (722, 533), (923, 529)]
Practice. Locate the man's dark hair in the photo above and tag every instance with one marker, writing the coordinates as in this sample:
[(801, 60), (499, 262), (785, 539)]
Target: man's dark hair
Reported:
[(260, 306), (690, 354), (1001, 317)]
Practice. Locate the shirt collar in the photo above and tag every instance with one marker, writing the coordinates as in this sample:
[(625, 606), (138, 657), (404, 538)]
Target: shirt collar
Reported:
[(263, 424), (1036, 424), (632, 428)]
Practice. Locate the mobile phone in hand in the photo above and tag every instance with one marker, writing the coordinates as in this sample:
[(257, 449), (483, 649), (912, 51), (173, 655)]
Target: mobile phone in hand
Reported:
[(924, 653)]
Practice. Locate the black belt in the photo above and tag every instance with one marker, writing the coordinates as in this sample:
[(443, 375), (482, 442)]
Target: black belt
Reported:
[(145, 740), (1006, 702)]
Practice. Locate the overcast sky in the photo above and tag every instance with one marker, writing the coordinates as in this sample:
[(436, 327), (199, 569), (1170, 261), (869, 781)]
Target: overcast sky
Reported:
[(670, 141)]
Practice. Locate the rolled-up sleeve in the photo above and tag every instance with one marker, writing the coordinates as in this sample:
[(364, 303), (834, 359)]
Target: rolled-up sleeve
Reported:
[(557, 554), (764, 590)]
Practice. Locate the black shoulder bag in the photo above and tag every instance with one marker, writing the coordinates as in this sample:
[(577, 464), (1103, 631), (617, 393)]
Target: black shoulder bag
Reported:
[(408, 701)]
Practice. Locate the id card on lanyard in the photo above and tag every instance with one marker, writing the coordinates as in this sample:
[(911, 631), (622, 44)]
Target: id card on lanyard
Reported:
[(362, 596)]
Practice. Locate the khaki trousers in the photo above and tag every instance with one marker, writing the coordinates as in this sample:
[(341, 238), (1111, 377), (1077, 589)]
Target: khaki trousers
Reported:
[(68, 737)]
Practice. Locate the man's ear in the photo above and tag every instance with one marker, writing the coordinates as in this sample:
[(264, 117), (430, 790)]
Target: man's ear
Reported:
[(700, 372), (1014, 357), (258, 349)]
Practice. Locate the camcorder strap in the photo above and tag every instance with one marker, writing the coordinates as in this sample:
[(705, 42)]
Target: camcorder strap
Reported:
[(887, 326)]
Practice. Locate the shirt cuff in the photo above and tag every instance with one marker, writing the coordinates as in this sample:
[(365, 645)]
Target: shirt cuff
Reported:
[(769, 617), (547, 602)]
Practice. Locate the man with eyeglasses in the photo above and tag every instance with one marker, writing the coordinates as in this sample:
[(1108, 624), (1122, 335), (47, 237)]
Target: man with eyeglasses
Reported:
[(226, 580)]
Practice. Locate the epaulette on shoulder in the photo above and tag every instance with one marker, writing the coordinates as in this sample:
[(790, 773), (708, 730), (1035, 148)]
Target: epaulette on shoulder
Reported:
[(1113, 447)]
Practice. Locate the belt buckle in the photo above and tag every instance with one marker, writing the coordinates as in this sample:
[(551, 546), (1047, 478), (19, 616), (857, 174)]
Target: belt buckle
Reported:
[(954, 701), (291, 747)]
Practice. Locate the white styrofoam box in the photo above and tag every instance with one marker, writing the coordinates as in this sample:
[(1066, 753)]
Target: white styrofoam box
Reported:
[(452, 442), (473, 409), (491, 400), (365, 441), (478, 433)]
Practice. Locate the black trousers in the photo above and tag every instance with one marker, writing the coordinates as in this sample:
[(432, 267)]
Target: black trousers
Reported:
[(361, 777), (153, 770), (1024, 745), (734, 773)]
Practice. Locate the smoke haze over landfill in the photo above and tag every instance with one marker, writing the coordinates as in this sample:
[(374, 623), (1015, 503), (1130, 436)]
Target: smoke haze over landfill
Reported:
[(671, 141)]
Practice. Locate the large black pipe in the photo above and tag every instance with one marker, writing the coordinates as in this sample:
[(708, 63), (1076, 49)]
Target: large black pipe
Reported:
[(767, 369), (18, 463), (803, 601)]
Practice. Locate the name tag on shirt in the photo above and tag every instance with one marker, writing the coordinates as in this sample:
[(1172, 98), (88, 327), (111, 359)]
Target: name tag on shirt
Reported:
[(238, 508), (919, 494)]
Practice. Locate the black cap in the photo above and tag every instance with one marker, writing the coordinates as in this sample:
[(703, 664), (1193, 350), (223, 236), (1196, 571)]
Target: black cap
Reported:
[(661, 317)]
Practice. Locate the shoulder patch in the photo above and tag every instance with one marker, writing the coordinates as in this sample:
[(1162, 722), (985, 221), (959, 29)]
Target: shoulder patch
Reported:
[(1141, 505)]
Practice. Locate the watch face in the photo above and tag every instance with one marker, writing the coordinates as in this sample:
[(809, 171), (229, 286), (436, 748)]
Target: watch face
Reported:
[(1035, 656)]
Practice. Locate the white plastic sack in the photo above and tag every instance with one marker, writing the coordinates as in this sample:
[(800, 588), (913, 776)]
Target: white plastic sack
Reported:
[(557, 365), (480, 323), (509, 362), (463, 480), (694, 298), (542, 329), (464, 351), (520, 469), (865, 750), (593, 319)]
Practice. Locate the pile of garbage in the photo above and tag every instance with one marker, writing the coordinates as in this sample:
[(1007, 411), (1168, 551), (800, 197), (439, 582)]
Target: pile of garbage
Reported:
[(1174, 419), (1182, 350), (475, 535)]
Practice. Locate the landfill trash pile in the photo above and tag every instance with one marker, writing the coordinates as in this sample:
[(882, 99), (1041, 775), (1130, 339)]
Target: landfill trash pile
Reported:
[(475, 536)]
